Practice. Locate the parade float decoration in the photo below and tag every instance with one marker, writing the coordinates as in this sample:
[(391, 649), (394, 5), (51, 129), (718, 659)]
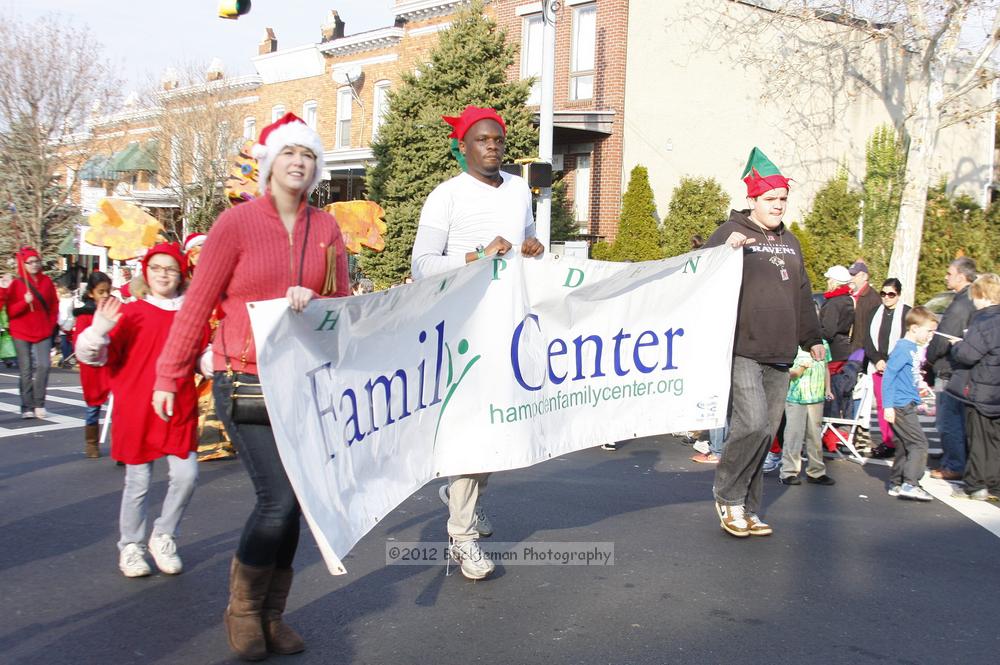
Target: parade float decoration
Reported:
[(124, 228)]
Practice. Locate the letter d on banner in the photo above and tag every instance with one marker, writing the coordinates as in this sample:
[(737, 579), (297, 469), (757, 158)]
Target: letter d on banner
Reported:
[(574, 273)]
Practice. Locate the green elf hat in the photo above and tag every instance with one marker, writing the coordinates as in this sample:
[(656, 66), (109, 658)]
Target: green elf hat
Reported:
[(761, 175)]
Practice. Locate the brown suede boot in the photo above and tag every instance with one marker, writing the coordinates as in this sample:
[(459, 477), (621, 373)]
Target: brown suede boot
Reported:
[(281, 638), (247, 590), (92, 435)]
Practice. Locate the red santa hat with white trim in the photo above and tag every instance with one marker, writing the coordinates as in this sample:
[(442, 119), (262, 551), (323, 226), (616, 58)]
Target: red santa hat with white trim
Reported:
[(194, 240), (287, 130)]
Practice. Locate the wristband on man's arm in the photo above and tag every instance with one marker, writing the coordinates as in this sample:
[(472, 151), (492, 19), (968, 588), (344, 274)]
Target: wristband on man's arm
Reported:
[(480, 252)]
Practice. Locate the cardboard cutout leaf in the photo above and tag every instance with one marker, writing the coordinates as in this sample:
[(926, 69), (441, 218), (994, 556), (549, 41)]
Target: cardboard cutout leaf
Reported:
[(124, 228), (241, 183), (361, 223)]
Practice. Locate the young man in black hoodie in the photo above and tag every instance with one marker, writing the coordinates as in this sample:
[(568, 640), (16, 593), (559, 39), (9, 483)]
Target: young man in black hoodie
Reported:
[(776, 316)]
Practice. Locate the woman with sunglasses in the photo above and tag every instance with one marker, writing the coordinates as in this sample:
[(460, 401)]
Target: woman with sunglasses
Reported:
[(33, 308), (886, 327)]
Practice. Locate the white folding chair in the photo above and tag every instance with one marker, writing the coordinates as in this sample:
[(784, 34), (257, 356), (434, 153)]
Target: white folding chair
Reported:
[(862, 419)]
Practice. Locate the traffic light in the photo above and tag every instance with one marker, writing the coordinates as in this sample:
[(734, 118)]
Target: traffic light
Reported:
[(233, 8)]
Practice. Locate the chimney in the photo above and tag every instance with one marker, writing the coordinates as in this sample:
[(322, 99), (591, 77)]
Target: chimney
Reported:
[(169, 79), (269, 44), (215, 70), (333, 28)]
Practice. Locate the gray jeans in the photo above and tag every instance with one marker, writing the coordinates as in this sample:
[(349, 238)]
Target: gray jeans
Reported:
[(183, 474), (911, 447), (758, 400), (33, 363), (803, 423)]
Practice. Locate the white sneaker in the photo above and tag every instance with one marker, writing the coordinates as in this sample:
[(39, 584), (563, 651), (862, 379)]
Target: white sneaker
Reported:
[(703, 447), (474, 562), (894, 490), (483, 525), (164, 550), (131, 561), (40, 413), (758, 527), (27, 415), (915, 492)]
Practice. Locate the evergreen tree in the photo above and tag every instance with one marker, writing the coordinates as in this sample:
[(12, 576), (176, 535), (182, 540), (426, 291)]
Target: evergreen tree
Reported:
[(638, 236), (468, 66), (883, 188), (832, 225), (953, 227), (809, 257), (564, 225), (696, 207)]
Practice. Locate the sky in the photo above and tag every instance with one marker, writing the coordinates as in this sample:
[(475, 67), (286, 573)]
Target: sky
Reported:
[(142, 38)]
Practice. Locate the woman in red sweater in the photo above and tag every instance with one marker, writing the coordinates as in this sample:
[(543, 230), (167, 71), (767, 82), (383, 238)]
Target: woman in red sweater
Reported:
[(33, 308), (271, 247)]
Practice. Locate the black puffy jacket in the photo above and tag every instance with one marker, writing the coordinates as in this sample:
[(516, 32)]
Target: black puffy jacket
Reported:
[(976, 363), (954, 321), (836, 318)]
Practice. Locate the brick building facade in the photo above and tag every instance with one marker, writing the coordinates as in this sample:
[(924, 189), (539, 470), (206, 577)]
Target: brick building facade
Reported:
[(339, 85)]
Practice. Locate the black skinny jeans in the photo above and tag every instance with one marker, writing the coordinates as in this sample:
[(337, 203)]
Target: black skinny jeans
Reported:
[(271, 534)]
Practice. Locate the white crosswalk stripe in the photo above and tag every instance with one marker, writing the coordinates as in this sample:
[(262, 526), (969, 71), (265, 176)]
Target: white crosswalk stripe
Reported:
[(64, 406)]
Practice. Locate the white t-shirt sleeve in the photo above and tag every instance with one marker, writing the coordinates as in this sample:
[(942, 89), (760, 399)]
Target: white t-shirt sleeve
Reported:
[(428, 253)]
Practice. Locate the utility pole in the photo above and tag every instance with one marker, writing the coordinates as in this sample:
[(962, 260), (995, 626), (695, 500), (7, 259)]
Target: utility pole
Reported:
[(543, 214)]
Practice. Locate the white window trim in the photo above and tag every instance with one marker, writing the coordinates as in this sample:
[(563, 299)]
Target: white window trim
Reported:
[(311, 105), (576, 74), (525, 43), (344, 141), (250, 127), (277, 111), (533, 8), (378, 116), (581, 208)]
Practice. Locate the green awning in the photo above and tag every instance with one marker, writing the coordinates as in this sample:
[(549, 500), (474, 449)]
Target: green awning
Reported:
[(95, 168), (69, 246), (135, 157)]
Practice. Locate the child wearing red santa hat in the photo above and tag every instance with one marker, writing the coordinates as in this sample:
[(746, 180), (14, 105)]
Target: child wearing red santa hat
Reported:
[(128, 339)]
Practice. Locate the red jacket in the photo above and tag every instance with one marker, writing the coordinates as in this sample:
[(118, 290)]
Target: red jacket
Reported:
[(95, 380), (35, 321)]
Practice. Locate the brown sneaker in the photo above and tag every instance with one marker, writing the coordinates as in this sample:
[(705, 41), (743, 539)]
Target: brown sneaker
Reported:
[(733, 520), (758, 527), (705, 458), (946, 474)]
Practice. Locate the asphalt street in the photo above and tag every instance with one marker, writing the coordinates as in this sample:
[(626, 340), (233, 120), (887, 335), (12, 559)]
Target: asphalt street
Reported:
[(850, 576)]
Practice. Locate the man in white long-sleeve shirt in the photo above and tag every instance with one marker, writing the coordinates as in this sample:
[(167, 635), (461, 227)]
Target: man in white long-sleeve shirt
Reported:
[(481, 212)]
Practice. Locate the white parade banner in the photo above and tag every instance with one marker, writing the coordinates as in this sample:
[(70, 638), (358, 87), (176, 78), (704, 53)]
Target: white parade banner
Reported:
[(498, 365)]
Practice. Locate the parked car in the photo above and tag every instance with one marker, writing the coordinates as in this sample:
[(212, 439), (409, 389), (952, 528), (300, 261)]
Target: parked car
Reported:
[(940, 301)]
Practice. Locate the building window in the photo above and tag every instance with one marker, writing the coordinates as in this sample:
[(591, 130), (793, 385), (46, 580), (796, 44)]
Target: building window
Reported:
[(581, 71), (344, 117), (249, 128), (309, 112), (531, 55), (277, 111), (175, 160), (381, 106), (581, 198)]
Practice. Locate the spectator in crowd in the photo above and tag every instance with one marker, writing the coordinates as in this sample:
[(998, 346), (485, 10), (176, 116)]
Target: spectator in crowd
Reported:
[(884, 328), (976, 381), (836, 316), (866, 300), (950, 411), (901, 396), (807, 391), (776, 316)]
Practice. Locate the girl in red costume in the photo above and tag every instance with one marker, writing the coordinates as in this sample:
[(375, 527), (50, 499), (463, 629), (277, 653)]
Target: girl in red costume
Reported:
[(127, 339), (95, 382)]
